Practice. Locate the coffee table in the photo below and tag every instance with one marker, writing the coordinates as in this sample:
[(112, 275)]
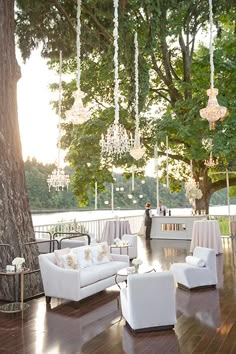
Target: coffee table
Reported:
[(16, 306), (120, 247), (125, 272)]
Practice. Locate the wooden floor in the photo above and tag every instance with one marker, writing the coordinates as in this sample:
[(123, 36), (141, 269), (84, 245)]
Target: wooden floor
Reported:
[(206, 320)]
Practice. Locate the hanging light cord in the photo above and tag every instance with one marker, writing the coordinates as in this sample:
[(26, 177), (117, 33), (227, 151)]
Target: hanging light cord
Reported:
[(136, 81), (116, 88), (59, 111), (78, 45), (211, 47)]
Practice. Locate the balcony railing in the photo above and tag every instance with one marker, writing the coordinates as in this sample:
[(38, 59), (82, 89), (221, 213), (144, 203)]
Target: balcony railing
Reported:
[(92, 227)]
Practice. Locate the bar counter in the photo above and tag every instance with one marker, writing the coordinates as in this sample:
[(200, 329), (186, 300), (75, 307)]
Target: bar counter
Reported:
[(174, 227)]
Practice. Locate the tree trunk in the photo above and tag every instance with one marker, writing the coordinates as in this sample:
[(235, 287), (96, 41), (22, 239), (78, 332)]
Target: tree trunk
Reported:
[(16, 226)]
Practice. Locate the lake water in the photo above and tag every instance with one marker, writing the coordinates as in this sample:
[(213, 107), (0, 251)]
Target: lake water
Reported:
[(52, 218)]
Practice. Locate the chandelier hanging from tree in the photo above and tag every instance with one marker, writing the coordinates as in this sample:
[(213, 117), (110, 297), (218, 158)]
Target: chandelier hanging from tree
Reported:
[(78, 114), (136, 151), (59, 179), (116, 141), (213, 110)]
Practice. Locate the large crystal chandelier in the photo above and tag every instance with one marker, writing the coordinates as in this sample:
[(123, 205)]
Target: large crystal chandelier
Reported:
[(116, 140), (58, 179), (136, 151), (78, 114), (213, 110)]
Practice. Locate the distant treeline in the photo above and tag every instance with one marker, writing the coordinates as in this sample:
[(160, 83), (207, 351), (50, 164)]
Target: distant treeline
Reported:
[(144, 190)]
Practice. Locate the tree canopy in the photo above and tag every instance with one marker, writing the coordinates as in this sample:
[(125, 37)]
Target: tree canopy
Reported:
[(174, 74)]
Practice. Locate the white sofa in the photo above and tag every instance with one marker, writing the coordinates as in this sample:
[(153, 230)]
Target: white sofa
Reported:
[(77, 284), (148, 302)]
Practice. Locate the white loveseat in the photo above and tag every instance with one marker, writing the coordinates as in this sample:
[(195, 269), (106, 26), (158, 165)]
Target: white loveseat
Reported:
[(77, 284)]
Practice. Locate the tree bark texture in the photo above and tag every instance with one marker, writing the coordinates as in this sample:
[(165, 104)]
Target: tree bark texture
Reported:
[(16, 226)]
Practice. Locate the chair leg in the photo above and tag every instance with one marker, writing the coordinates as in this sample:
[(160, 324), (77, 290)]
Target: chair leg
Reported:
[(48, 299)]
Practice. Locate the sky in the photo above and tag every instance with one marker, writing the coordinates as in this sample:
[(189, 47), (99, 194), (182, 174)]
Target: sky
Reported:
[(37, 120)]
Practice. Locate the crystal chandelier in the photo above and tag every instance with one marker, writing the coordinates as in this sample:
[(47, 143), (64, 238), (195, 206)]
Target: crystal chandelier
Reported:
[(136, 151), (78, 114), (213, 110), (58, 179), (211, 162), (116, 140)]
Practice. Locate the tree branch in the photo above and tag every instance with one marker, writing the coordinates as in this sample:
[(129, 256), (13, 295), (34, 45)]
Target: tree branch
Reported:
[(102, 29), (64, 14)]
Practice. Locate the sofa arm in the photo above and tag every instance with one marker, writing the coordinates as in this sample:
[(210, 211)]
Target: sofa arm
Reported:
[(120, 258), (57, 281)]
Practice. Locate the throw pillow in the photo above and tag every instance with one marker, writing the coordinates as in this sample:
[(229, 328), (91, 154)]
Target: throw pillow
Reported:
[(70, 261), (84, 256), (58, 255), (198, 262), (100, 253)]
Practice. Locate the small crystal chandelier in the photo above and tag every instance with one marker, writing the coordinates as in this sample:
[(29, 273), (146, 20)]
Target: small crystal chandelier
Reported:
[(58, 179), (136, 151), (213, 110), (211, 162), (116, 140), (78, 114)]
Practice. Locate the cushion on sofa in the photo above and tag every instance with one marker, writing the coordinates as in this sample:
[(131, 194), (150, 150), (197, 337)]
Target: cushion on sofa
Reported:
[(84, 256), (108, 270), (58, 256), (70, 261), (101, 253), (195, 261)]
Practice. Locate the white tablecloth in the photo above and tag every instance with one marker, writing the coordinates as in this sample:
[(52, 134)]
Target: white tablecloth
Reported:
[(115, 229), (206, 233)]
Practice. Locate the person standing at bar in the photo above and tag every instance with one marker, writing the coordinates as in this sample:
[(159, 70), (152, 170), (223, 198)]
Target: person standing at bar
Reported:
[(148, 220)]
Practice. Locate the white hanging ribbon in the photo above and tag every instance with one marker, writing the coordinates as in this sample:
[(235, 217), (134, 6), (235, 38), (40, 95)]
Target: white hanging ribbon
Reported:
[(167, 162), (211, 47), (78, 44)]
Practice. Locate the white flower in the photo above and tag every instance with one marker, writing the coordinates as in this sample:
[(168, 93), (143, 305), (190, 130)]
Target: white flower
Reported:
[(18, 261), (137, 261), (192, 190)]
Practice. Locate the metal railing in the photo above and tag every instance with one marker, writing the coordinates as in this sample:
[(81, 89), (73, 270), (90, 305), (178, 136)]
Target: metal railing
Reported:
[(92, 227)]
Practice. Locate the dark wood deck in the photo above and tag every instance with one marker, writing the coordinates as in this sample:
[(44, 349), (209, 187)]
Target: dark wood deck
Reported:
[(206, 320)]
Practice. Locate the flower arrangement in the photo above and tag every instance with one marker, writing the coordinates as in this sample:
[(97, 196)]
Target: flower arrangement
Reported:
[(192, 190), (119, 243), (137, 262), (17, 262)]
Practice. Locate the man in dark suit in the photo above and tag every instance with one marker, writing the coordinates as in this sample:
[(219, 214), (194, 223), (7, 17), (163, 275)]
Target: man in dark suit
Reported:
[(148, 220)]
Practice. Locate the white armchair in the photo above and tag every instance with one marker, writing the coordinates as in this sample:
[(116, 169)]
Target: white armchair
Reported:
[(190, 277), (132, 249), (148, 302)]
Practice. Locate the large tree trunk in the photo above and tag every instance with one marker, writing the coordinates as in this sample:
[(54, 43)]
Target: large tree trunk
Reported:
[(16, 226)]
